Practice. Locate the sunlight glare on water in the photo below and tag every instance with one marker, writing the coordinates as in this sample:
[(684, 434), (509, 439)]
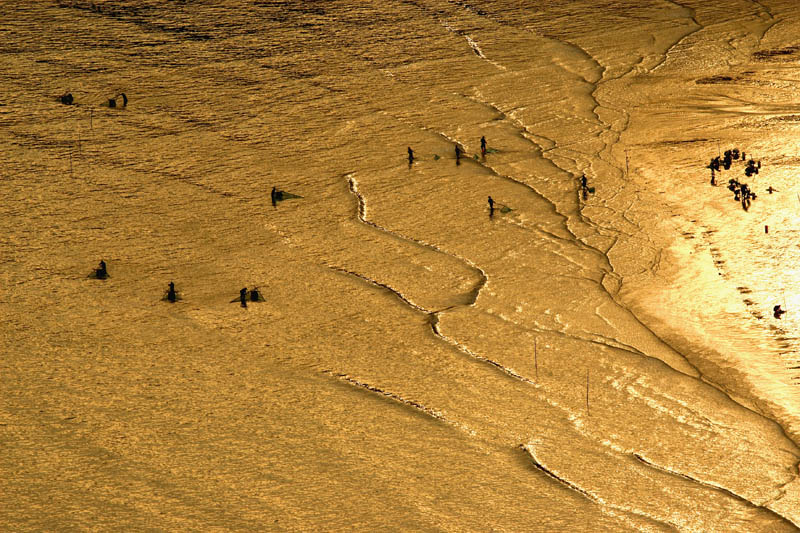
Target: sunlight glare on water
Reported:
[(419, 362)]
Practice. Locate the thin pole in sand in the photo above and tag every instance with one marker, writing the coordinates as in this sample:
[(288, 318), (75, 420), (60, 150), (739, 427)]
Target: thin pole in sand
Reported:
[(587, 392), (535, 360), (626, 162)]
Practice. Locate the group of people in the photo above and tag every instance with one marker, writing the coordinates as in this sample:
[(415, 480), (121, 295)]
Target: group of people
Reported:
[(68, 99), (752, 168), (253, 295), (726, 161), (741, 191), (112, 102), (458, 150)]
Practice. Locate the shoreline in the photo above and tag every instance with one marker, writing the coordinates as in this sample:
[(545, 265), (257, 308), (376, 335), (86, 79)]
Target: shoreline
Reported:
[(415, 361), (691, 255), (657, 171)]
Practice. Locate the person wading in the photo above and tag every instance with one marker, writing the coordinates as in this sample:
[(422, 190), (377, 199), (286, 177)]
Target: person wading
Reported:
[(172, 296), (101, 272)]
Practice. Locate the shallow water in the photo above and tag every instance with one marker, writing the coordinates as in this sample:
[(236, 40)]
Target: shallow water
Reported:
[(608, 364)]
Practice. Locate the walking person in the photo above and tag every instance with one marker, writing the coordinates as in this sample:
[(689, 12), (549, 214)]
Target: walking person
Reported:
[(483, 146)]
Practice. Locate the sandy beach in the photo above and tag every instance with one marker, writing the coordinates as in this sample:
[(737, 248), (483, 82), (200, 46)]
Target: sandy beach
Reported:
[(419, 362)]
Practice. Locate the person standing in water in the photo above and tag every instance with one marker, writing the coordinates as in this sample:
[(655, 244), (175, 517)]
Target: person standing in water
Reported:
[(171, 295), (410, 156), (491, 206), (243, 297), (483, 146), (584, 187), (276, 196), (101, 272), (458, 154)]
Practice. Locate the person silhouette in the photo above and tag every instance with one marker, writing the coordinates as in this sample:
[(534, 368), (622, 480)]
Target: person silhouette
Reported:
[(483, 146), (410, 156), (491, 206), (584, 187), (777, 311), (171, 295), (458, 154), (101, 272), (243, 296), (276, 196)]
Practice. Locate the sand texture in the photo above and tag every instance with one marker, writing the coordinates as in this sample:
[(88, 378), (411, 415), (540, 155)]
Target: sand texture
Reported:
[(607, 362)]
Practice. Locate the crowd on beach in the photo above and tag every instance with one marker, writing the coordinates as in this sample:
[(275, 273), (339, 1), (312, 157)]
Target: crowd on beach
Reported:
[(741, 191)]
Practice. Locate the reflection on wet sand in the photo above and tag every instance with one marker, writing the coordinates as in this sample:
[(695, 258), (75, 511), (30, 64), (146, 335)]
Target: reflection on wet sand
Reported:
[(600, 353)]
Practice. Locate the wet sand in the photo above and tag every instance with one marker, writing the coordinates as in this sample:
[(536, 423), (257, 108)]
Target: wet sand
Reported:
[(417, 364)]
